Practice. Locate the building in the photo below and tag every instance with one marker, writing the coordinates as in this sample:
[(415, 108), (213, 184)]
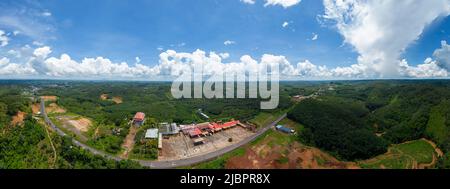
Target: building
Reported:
[(139, 119), (285, 129), (151, 134), (169, 129), (198, 141)]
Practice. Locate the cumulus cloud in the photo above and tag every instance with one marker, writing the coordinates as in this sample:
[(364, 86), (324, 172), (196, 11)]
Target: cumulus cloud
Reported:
[(248, 1), (229, 42), (380, 31), (173, 64), (42, 52), (224, 55), (442, 55), (4, 40), (284, 3)]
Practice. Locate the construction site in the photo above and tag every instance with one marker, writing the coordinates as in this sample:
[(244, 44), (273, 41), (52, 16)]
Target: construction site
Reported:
[(198, 139)]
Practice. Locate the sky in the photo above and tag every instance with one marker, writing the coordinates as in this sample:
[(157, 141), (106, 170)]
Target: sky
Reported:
[(161, 39)]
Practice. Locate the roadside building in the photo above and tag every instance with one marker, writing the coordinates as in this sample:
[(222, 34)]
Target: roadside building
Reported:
[(169, 129), (139, 119)]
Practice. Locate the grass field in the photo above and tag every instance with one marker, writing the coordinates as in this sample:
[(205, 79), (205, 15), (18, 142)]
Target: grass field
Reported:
[(265, 118), (219, 163), (403, 156)]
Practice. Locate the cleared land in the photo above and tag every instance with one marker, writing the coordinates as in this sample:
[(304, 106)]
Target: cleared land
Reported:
[(277, 150), (35, 108), (75, 124), (18, 118), (128, 143), (181, 146), (115, 99), (53, 108), (49, 98)]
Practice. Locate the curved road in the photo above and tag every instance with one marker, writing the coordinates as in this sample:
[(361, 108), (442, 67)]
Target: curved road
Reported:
[(164, 164)]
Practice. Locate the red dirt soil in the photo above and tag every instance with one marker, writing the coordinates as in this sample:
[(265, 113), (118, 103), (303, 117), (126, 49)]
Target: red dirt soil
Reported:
[(293, 156)]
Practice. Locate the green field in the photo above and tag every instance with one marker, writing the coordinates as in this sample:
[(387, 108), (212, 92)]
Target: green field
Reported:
[(264, 118), (403, 156)]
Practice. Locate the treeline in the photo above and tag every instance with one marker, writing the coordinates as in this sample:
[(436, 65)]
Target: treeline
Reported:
[(337, 127)]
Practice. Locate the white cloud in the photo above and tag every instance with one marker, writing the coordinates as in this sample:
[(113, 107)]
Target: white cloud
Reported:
[(37, 43), (442, 55), (429, 69), (285, 24), (248, 1), (284, 3), (224, 55), (229, 42), (138, 60), (173, 64), (314, 37), (381, 30), (46, 14), (42, 52), (4, 40), (4, 61)]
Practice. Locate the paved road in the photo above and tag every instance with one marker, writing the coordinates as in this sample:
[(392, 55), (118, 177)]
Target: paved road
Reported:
[(165, 164)]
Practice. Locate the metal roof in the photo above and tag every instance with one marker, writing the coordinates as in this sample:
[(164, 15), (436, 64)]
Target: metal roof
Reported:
[(151, 133)]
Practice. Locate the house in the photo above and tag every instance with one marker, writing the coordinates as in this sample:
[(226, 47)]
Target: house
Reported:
[(139, 119), (151, 134), (284, 129)]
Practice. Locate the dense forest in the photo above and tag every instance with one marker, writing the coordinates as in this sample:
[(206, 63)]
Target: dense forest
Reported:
[(347, 120), (154, 99)]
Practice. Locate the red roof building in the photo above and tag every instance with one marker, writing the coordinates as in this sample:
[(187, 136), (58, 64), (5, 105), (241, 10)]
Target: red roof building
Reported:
[(139, 117)]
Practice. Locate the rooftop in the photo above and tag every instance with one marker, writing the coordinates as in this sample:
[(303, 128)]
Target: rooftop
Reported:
[(151, 133)]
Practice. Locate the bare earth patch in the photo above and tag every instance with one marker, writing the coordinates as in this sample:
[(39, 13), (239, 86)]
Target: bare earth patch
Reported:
[(117, 100), (81, 124), (128, 143), (54, 108), (292, 156), (49, 98), (18, 118), (35, 108), (104, 96)]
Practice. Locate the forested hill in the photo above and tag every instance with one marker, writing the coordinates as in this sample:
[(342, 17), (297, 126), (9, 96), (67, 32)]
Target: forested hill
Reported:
[(347, 119)]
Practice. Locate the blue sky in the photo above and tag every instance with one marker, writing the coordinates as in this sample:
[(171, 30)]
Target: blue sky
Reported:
[(123, 30)]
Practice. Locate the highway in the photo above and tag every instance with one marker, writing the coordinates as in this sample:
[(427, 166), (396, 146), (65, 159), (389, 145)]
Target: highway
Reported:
[(164, 164)]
